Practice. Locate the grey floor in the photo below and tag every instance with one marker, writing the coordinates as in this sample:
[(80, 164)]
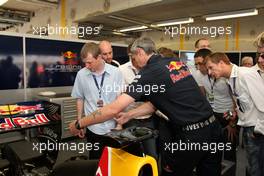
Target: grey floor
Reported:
[(241, 162)]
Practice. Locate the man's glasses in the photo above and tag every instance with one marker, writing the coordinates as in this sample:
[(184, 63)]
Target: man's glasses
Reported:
[(260, 55)]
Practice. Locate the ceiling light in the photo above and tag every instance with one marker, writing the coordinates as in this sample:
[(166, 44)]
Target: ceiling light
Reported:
[(2, 2), (174, 22), (40, 3), (234, 14), (12, 20), (132, 28)]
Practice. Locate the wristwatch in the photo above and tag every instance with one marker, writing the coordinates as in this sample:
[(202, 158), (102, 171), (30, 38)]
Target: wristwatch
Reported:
[(77, 125)]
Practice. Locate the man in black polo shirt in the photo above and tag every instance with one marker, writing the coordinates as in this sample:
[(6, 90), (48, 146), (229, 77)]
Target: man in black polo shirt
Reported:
[(167, 85)]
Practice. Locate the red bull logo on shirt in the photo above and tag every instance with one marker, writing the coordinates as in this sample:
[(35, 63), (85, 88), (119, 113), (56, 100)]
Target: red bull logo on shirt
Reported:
[(174, 65), (178, 71)]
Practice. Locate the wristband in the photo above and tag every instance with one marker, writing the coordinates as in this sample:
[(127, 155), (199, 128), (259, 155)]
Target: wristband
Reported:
[(77, 125)]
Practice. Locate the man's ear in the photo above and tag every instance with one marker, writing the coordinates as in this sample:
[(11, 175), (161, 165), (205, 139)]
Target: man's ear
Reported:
[(141, 52), (221, 62), (99, 57)]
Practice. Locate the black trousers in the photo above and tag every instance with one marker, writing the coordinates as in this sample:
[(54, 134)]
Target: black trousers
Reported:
[(228, 155), (180, 156), (149, 145), (95, 140)]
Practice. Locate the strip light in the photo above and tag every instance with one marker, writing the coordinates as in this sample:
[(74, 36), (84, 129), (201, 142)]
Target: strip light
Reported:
[(174, 22), (2, 2), (132, 28), (235, 14)]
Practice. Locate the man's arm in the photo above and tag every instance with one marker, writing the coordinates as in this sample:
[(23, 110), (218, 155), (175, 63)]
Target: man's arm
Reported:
[(103, 114), (80, 105), (255, 86), (144, 109)]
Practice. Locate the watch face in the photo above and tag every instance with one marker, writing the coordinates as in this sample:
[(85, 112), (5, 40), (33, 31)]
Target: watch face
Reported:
[(100, 103)]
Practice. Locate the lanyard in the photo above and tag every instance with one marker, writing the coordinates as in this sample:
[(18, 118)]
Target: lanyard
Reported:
[(234, 87), (212, 85), (134, 71), (101, 84)]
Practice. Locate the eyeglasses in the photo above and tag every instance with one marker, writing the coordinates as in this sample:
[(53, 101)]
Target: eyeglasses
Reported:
[(199, 63), (260, 55)]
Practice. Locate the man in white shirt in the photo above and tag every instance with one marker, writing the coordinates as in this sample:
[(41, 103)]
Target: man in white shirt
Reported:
[(106, 51), (218, 95), (259, 43), (201, 43), (247, 87)]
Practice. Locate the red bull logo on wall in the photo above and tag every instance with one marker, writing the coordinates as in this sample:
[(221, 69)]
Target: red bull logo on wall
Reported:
[(178, 70), (70, 58), (69, 55)]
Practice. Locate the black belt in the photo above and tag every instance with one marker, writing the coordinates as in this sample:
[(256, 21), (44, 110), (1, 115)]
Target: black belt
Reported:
[(198, 125)]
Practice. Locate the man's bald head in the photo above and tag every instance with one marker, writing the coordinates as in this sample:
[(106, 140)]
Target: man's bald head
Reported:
[(106, 51)]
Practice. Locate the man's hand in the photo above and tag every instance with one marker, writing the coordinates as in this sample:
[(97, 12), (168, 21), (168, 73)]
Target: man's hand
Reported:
[(234, 115), (81, 133), (231, 132), (123, 117), (73, 129)]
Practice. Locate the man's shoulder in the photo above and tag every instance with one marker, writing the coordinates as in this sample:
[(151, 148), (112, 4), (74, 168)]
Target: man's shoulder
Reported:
[(82, 71), (248, 73), (112, 70), (125, 65), (246, 70)]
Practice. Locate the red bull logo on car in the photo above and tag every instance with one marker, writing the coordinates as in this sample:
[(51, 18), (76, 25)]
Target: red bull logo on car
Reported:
[(178, 71), (37, 119)]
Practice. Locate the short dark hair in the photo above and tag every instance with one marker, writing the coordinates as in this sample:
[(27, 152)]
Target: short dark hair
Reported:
[(166, 52), (202, 53), (217, 57), (197, 42), (90, 47)]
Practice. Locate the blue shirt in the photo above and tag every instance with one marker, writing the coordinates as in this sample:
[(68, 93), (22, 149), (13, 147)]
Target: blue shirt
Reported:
[(85, 88)]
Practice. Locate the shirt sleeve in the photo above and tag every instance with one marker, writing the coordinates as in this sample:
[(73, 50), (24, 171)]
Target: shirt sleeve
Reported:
[(255, 85), (121, 82), (77, 91)]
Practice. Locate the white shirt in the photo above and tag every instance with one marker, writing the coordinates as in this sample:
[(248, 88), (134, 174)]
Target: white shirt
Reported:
[(129, 72), (195, 73), (261, 72), (248, 87), (217, 93)]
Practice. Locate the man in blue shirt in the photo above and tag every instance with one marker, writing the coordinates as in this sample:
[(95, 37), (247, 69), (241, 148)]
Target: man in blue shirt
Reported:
[(96, 85)]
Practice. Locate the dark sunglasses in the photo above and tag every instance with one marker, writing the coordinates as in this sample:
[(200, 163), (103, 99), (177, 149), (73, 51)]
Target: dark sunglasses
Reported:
[(260, 55)]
